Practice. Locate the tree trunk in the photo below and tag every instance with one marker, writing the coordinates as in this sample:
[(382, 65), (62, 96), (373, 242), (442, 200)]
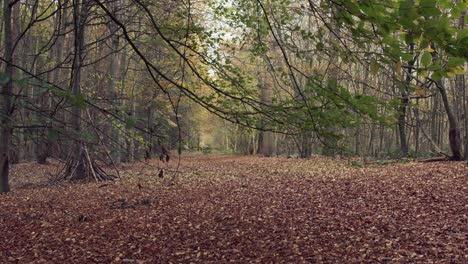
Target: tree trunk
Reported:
[(149, 135), (454, 133), (113, 92), (43, 149), (19, 139), (462, 106), (131, 139), (127, 140), (266, 145), (460, 86), (404, 102), (6, 107), (464, 116), (416, 129), (79, 17), (402, 126)]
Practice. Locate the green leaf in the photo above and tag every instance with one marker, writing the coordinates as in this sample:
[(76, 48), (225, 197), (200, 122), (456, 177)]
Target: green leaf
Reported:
[(445, 3), (454, 62), (435, 67), (437, 76), (428, 8), (352, 8), (407, 13), (459, 8), (426, 59), (407, 56)]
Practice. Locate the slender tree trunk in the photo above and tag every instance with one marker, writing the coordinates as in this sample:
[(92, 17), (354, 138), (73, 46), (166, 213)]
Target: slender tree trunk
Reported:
[(126, 139), (416, 129), (402, 125), (266, 144), (460, 86), (454, 133), (64, 58), (131, 140), (32, 97), (465, 111), (381, 139), (433, 118), (113, 90), (460, 112), (79, 17), (149, 136), (402, 110), (370, 144), (6, 100), (18, 134), (44, 147)]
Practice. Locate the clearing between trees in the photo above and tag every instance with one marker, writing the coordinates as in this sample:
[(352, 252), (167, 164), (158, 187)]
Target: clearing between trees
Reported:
[(243, 209)]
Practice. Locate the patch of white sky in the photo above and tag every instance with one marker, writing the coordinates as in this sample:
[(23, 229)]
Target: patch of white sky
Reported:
[(218, 27), (221, 28)]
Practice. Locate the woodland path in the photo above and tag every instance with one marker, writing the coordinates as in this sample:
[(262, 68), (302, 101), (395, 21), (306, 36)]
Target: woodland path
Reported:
[(242, 210)]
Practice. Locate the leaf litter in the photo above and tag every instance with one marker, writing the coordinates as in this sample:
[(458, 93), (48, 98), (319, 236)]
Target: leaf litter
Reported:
[(241, 209)]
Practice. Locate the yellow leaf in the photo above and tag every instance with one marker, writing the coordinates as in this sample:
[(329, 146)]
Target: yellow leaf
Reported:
[(389, 245), (423, 74), (398, 69), (171, 123), (430, 50), (419, 91), (459, 70)]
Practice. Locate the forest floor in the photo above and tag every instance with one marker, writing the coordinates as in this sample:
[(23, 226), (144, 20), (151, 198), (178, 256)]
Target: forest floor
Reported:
[(241, 209)]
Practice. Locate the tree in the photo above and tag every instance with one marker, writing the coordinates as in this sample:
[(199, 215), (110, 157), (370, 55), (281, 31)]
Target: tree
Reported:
[(80, 165), (266, 144), (333, 77), (6, 113), (113, 80)]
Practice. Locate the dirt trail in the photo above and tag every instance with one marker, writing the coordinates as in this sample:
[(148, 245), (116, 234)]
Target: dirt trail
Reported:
[(242, 210)]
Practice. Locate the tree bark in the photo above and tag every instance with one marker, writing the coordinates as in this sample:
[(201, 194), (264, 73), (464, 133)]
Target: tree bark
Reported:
[(266, 144), (454, 133), (56, 53), (402, 125), (460, 86), (6, 114), (113, 78), (404, 102), (79, 19), (464, 115)]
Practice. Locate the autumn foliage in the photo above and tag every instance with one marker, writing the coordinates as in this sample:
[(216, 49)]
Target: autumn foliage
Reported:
[(241, 209)]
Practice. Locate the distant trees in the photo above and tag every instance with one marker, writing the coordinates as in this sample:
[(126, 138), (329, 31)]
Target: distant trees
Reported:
[(122, 79), (77, 89), (330, 45)]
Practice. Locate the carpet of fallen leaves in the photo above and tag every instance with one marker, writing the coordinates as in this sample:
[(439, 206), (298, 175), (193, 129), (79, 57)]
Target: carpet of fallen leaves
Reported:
[(240, 209)]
